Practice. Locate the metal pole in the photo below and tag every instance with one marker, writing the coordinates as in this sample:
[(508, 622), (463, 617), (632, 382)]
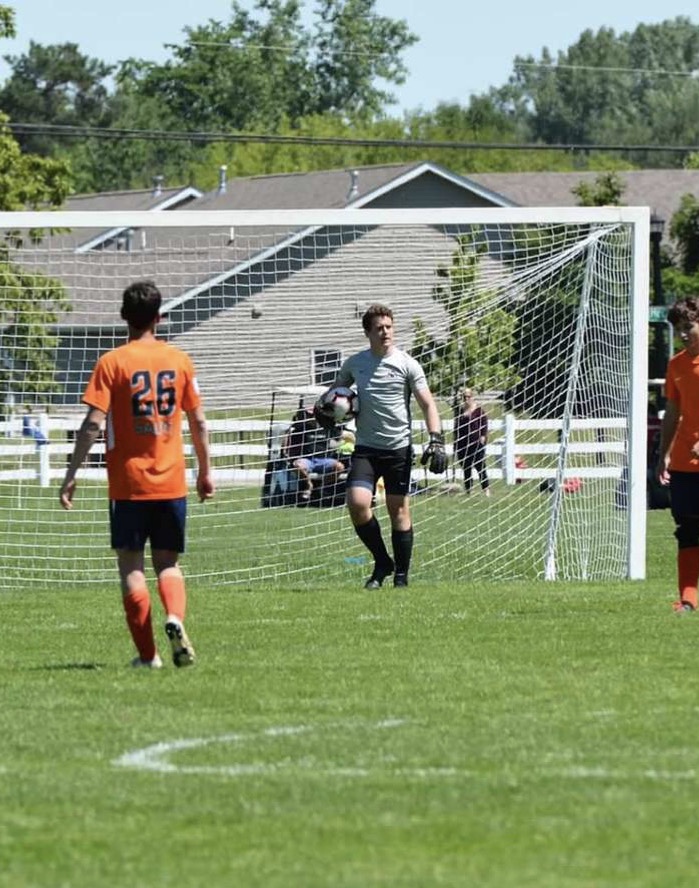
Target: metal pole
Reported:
[(661, 355)]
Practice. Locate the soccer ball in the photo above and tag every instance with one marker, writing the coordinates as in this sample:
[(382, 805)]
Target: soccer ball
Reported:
[(339, 404)]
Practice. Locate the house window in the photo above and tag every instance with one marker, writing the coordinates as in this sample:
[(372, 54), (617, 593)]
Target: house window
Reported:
[(325, 364)]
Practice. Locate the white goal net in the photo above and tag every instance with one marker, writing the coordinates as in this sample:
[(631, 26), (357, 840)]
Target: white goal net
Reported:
[(542, 313)]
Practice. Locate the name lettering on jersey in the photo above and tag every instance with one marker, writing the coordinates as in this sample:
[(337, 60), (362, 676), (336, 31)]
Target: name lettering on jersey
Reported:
[(156, 428)]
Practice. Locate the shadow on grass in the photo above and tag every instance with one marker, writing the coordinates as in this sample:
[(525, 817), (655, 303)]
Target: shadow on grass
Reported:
[(63, 667)]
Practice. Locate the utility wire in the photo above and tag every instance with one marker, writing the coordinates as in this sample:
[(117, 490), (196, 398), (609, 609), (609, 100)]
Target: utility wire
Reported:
[(605, 69), (90, 132), (282, 47), (359, 53)]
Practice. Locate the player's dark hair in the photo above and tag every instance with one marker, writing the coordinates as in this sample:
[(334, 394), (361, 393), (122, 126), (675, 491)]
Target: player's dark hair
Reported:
[(140, 304), (375, 311), (684, 311)]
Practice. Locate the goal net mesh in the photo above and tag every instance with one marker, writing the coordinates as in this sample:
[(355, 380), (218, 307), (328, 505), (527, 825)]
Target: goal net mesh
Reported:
[(534, 317)]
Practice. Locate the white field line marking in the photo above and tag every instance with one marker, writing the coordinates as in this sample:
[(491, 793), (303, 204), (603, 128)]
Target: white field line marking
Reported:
[(582, 772), (157, 756), (276, 621)]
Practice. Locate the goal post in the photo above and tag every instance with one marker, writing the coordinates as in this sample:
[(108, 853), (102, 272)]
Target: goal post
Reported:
[(542, 311)]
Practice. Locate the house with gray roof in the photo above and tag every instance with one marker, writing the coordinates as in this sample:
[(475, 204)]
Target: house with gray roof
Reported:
[(232, 296), (661, 190), (260, 308)]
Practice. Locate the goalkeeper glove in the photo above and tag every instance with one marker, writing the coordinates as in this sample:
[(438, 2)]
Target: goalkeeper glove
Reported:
[(435, 454)]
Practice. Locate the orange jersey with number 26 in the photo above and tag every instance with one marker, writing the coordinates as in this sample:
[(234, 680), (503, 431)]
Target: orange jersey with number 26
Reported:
[(144, 387)]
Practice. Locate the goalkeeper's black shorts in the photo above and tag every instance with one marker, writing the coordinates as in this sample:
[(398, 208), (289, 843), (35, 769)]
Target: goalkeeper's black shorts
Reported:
[(394, 466)]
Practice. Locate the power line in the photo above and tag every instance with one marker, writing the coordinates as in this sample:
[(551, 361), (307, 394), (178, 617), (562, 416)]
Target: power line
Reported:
[(694, 73), (88, 132), (366, 54), (284, 47)]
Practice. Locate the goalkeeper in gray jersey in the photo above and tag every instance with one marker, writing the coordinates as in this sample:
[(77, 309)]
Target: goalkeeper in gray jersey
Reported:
[(385, 378)]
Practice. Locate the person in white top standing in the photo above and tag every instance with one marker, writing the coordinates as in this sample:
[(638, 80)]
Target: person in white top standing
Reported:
[(385, 378)]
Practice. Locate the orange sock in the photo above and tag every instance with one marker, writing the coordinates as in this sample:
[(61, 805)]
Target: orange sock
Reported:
[(173, 595), (138, 618), (688, 574)]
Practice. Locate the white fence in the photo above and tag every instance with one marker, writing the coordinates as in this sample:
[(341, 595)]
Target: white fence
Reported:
[(511, 454)]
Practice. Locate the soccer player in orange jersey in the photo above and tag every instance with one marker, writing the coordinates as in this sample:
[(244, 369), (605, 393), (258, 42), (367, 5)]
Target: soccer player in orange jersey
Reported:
[(678, 459), (142, 389)]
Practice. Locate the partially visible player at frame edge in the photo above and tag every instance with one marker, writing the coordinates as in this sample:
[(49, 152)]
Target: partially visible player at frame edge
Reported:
[(678, 457), (385, 377), (142, 388)]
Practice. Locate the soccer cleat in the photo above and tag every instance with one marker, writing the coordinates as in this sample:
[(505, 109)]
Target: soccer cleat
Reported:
[(182, 650), (155, 663), (683, 607), (400, 579), (380, 573)]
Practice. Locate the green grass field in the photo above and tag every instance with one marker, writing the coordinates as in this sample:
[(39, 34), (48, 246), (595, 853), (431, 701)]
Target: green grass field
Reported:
[(535, 735)]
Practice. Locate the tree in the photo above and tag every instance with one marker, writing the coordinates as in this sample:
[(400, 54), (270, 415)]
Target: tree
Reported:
[(684, 230), (355, 47), (633, 87), (233, 76), (260, 71), (29, 301), (479, 344), (55, 85), (607, 190), (110, 164), (682, 279), (7, 22), (256, 72)]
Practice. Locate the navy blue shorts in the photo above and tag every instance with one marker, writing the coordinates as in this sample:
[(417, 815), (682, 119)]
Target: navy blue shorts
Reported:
[(133, 522), (370, 464), (684, 494)]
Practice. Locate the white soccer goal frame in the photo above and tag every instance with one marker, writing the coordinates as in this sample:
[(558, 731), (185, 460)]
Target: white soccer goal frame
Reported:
[(637, 217)]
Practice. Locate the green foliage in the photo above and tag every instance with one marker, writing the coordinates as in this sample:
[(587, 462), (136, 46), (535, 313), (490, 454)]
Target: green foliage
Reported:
[(507, 348), (7, 22), (355, 49), (677, 285), (28, 181), (238, 75), (57, 85), (123, 163), (29, 302), (264, 71), (256, 72), (256, 158), (478, 345), (607, 190), (684, 229), (604, 89)]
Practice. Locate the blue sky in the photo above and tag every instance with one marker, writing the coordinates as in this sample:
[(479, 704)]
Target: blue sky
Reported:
[(464, 48)]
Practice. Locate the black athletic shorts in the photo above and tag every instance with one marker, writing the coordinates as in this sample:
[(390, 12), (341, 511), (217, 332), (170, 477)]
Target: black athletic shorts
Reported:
[(684, 494), (394, 466), (133, 522)]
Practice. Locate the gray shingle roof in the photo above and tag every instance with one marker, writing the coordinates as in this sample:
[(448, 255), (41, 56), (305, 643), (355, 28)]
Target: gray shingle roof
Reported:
[(661, 190), (95, 278)]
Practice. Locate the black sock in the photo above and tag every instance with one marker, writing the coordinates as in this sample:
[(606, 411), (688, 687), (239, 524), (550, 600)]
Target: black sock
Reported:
[(370, 535), (402, 549)]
